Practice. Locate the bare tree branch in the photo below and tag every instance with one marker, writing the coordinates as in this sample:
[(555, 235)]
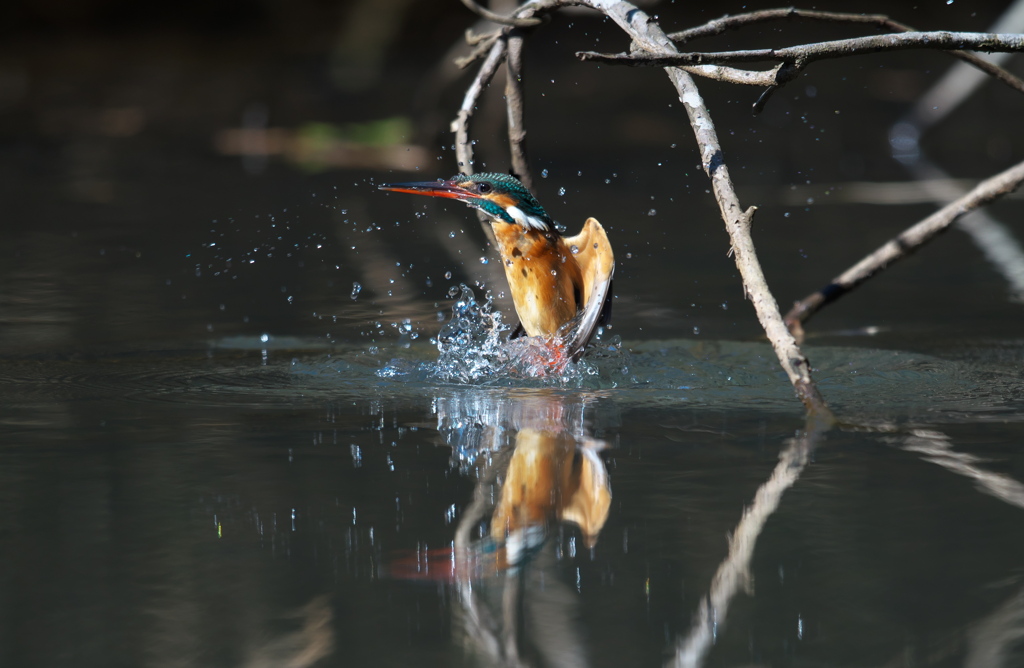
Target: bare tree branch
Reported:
[(721, 25), (482, 44), (795, 59), (511, 20), (718, 26), (648, 36), (805, 54), (514, 104), (736, 76), (460, 126), (497, 50), (904, 244)]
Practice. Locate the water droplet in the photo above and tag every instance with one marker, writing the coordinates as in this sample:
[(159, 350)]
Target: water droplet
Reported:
[(725, 306), (561, 191), (451, 235), (544, 173), (652, 212), (629, 256), (448, 275), (574, 249), (264, 338), (484, 260), (696, 330)]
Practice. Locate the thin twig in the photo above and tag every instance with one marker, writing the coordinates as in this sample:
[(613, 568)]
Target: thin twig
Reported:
[(727, 22), (904, 244), (649, 36), (460, 126), (795, 59), (514, 104), (804, 54), (720, 25), (510, 20), (481, 47)]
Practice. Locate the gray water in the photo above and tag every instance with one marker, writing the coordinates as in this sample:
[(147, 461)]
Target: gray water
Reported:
[(217, 450)]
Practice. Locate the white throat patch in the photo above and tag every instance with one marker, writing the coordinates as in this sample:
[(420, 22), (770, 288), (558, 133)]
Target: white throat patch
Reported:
[(529, 222)]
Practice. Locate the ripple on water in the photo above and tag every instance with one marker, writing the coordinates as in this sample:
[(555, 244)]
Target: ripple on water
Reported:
[(473, 353)]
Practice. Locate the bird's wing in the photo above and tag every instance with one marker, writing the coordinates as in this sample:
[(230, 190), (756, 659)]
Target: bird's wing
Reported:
[(597, 264)]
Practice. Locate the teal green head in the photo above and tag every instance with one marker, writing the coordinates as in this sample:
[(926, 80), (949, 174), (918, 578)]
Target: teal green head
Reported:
[(501, 196)]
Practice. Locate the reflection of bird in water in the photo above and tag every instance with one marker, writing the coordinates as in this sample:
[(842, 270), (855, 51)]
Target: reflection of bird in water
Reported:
[(537, 466), (561, 286), (549, 478)]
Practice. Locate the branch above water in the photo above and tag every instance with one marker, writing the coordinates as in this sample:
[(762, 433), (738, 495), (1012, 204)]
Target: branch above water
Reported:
[(794, 59), (903, 245), (808, 53)]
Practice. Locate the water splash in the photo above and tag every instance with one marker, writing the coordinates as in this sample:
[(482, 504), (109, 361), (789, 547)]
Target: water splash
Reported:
[(474, 349)]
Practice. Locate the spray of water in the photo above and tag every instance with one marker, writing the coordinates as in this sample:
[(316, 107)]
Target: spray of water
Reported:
[(474, 349)]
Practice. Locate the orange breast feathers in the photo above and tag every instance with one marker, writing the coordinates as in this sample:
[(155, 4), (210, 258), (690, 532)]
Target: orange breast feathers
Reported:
[(545, 279)]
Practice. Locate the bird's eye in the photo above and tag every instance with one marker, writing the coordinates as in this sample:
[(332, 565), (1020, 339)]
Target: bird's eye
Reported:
[(483, 188)]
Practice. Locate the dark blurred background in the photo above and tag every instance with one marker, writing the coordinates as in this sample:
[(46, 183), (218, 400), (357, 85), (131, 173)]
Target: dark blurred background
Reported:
[(173, 173)]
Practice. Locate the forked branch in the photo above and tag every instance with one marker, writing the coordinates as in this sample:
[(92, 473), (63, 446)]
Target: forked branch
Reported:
[(652, 47), (793, 60)]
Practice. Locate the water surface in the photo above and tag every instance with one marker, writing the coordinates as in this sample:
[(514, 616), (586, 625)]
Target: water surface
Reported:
[(226, 438)]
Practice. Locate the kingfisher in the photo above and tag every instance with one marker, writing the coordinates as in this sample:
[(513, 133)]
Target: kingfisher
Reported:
[(561, 286)]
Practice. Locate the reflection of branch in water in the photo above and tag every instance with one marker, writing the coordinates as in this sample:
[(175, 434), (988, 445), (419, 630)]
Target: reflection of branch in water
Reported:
[(991, 236), (938, 450), (301, 648), (734, 573), (962, 79), (991, 642)]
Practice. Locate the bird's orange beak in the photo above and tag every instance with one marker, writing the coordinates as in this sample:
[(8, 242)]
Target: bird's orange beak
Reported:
[(446, 189)]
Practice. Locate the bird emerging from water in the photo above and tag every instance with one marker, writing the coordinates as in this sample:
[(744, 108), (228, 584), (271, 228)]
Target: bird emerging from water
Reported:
[(561, 286)]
